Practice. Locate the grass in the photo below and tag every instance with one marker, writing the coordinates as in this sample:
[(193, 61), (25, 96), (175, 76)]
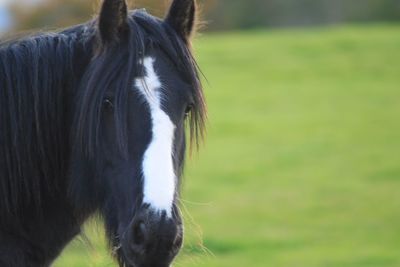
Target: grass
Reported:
[(301, 167)]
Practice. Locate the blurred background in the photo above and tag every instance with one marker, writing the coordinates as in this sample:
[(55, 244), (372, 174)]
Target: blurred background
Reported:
[(219, 14), (301, 164)]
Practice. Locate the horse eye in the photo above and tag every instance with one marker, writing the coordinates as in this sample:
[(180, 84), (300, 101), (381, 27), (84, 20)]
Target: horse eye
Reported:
[(188, 110), (108, 104)]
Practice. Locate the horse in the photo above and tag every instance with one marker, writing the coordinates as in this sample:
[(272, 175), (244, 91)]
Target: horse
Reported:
[(93, 120)]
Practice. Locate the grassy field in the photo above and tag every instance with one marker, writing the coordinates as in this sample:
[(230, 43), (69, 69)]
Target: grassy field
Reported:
[(301, 167)]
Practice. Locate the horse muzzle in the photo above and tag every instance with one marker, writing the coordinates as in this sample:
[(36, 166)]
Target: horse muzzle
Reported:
[(152, 239)]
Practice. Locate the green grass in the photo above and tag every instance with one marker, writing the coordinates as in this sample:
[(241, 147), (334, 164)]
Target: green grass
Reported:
[(301, 166)]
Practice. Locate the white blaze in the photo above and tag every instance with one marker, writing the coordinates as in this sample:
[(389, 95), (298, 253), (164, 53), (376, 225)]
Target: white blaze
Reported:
[(158, 170)]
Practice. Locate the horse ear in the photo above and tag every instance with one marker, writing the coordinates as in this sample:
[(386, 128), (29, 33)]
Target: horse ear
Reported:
[(182, 17), (112, 20)]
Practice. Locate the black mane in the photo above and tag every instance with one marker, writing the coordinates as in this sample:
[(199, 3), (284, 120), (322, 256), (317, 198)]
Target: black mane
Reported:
[(36, 77), (52, 87)]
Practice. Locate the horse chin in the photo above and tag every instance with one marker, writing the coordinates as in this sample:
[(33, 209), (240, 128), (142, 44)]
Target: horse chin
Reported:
[(124, 261), (127, 259)]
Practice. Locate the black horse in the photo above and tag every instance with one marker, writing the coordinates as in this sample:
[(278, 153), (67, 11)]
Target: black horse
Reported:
[(92, 120)]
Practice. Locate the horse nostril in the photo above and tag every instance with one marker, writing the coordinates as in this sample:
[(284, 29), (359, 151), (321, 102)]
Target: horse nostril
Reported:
[(139, 233)]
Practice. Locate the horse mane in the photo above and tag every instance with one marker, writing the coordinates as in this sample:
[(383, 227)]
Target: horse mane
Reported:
[(36, 74), (52, 87)]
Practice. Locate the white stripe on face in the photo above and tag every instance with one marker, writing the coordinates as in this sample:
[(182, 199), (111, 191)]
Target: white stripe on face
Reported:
[(158, 170)]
